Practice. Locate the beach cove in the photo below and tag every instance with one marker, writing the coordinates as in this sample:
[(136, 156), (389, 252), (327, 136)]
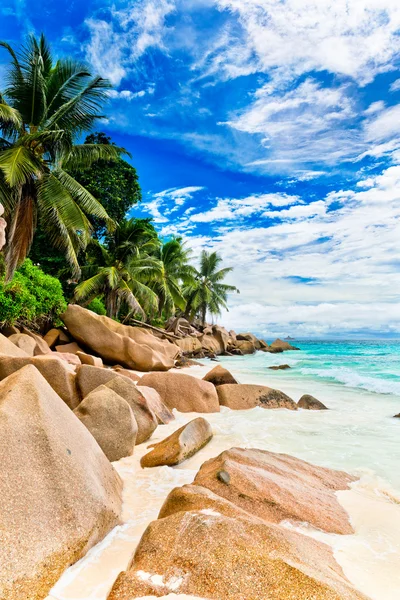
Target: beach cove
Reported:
[(355, 435)]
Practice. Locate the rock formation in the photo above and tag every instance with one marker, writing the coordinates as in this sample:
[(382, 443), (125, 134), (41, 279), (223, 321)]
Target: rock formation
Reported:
[(110, 420), (310, 403), (131, 347), (179, 446), (59, 495), (244, 396), (227, 542), (183, 392), (219, 376)]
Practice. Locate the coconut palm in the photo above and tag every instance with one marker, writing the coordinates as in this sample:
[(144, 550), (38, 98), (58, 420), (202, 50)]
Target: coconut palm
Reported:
[(174, 271), (206, 292), (118, 271), (44, 108)]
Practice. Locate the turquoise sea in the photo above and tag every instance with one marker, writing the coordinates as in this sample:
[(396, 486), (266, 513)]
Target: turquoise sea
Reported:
[(366, 365)]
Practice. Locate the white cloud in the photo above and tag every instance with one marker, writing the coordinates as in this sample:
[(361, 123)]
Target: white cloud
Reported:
[(395, 87), (292, 37), (385, 125), (126, 94), (320, 270), (237, 208), (116, 44)]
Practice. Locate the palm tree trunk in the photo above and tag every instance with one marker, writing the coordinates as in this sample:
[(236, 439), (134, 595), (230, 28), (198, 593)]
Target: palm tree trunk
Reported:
[(203, 314), (20, 234), (111, 304)]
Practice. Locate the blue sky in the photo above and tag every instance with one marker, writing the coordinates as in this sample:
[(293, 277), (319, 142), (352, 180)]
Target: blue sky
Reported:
[(268, 130)]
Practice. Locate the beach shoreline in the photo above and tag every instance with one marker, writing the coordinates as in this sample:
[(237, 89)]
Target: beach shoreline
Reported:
[(370, 558)]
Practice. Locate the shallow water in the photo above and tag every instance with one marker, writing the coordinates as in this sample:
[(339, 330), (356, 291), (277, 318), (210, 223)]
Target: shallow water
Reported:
[(357, 434)]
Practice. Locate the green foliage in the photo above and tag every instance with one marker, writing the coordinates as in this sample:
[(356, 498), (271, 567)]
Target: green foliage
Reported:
[(97, 306), (206, 292), (114, 184), (32, 297), (46, 106)]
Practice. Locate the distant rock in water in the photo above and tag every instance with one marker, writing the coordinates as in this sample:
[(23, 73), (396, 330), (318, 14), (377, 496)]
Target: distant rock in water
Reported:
[(280, 368), (59, 495), (245, 396), (397, 416), (221, 537), (278, 343), (310, 403)]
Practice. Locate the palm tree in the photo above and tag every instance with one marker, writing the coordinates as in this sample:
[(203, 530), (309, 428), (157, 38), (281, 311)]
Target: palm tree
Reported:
[(174, 270), (45, 106), (207, 292), (118, 271)]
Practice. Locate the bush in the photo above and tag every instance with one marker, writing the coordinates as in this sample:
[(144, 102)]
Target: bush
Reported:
[(32, 298), (97, 306)]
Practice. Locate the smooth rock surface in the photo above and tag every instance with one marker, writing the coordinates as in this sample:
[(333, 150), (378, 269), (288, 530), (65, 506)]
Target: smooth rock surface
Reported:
[(153, 398), (183, 392), (89, 377), (220, 376), (245, 346), (279, 487), (56, 372), (89, 359), (207, 545), (41, 346), (243, 396), (59, 495), (308, 402), (145, 418), (110, 420), (24, 342), (179, 446), (7, 348), (282, 345), (117, 343)]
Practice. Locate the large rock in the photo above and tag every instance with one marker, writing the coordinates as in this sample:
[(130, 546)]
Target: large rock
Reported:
[(88, 378), (189, 345), (71, 348), (59, 495), (153, 398), (110, 420), (210, 343), (89, 359), (56, 372), (310, 403), (278, 487), (127, 373), (9, 349), (145, 418), (219, 376), (117, 343), (209, 546), (249, 337), (282, 345), (280, 368), (183, 392), (41, 346), (24, 342), (243, 396), (179, 446), (245, 346)]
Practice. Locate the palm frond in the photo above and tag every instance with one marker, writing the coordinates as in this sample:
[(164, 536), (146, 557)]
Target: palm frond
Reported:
[(19, 164), (83, 156)]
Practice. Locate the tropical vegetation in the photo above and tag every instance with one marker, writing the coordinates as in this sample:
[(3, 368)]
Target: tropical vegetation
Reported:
[(66, 205)]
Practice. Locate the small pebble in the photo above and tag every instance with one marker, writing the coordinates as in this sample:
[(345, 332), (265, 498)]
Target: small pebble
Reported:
[(224, 477)]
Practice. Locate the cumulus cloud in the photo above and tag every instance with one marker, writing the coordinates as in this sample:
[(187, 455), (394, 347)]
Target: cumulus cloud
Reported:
[(325, 266), (236, 208)]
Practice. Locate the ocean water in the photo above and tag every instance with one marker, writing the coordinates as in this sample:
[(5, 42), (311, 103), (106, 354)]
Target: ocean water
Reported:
[(359, 382), (366, 365)]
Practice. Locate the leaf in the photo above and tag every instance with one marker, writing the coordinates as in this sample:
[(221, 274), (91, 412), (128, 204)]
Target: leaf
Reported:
[(20, 165)]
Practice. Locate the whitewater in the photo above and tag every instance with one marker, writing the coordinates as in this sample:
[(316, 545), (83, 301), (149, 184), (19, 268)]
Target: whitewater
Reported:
[(358, 434)]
